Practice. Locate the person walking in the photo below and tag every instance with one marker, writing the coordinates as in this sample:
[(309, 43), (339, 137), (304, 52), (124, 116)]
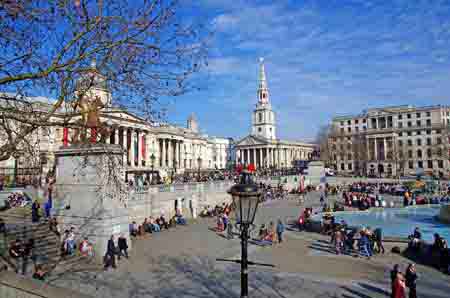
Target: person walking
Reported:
[(280, 231), (411, 280), (123, 246), (110, 257)]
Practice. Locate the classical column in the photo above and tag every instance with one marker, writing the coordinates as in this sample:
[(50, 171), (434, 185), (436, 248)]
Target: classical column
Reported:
[(139, 148), (124, 145), (180, 158), (254, 156), (261, 162), (116, 136), (175, 158), (375, 148), (384, 147), (132, 149), (108, 139), (169, 153), (269, 157), (163, 153)]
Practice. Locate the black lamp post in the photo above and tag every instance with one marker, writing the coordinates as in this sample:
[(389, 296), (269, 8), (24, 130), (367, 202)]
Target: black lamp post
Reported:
[(245, 199), (152, 158), (246, 196)]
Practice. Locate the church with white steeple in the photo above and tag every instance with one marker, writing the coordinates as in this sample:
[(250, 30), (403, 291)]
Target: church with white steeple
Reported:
[(262, 148), (263, 120)]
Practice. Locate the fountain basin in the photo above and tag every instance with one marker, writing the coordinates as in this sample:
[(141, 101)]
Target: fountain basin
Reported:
[(398, 222)]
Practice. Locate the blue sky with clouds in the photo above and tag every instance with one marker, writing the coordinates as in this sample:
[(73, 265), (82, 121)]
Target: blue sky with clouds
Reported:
[(323, 58)]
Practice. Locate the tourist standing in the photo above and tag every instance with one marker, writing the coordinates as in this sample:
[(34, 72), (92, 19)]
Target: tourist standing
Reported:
[(123, 246), (411, 280), (280, 231), (399, 286), (378, 236), (35, 211), (394, 273)]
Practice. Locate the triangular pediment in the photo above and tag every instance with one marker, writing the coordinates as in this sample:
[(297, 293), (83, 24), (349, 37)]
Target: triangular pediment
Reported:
[(252, 140), (122, 115)]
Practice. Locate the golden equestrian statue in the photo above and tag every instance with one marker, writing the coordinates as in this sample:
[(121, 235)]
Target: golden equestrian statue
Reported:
[(90, 120)]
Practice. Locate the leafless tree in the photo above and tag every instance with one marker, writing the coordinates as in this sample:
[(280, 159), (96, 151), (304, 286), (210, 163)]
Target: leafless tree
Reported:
[(143, 51), (359, 154), (323, 141)]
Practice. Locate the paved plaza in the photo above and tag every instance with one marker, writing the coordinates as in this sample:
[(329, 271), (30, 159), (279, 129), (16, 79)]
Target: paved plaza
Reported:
[(181, 263)]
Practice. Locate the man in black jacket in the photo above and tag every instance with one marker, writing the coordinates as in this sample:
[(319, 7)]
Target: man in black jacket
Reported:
[(123, 246), (110, 257)]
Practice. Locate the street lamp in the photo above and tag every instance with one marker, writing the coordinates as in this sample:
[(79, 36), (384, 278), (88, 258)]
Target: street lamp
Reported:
[(152, 158), (246, 196)]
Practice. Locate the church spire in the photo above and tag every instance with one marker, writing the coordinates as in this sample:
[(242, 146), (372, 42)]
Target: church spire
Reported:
[(263, 91)]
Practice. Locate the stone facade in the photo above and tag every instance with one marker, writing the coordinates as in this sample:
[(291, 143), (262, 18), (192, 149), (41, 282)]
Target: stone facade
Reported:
[(149, 147), (392, 141)]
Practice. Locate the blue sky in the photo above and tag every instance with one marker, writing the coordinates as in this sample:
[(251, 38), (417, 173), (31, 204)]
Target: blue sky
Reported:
[(323, 58)]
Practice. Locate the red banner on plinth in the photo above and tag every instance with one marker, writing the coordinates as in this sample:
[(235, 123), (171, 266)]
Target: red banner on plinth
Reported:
[(65, 136), (93, 135)]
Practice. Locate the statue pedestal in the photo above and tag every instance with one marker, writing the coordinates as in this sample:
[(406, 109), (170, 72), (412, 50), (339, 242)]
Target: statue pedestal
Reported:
[(316, 173), (85, 199)]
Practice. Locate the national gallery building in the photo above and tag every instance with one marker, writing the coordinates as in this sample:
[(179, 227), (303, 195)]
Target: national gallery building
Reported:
[(149, 148), (261, 148)]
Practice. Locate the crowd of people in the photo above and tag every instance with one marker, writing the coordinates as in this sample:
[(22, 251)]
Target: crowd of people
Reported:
[(438, 252), (346, 240), (17, 199), (273, 193), (154, 225)]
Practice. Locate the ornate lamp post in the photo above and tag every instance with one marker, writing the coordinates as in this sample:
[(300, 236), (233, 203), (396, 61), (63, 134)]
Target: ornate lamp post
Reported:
[(152, 158), (246, 196)]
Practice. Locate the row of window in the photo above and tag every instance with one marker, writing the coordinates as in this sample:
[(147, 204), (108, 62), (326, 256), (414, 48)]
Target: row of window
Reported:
[(409, 124), (419, 142), (389, 154), (399, 117), (420, 164)]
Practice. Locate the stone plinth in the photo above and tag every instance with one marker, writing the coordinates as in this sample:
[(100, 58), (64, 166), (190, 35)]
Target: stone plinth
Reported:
[(316, 173), (86, 199), (444, 213)]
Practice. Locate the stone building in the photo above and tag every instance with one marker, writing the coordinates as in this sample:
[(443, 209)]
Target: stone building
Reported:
[(262, 148), (392, 141)]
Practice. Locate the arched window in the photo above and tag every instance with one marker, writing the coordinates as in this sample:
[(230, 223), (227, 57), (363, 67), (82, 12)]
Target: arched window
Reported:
[(260, 117), (419, 153)]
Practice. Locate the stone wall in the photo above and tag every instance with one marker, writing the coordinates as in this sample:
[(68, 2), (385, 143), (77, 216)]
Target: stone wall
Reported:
[(160, 200)]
